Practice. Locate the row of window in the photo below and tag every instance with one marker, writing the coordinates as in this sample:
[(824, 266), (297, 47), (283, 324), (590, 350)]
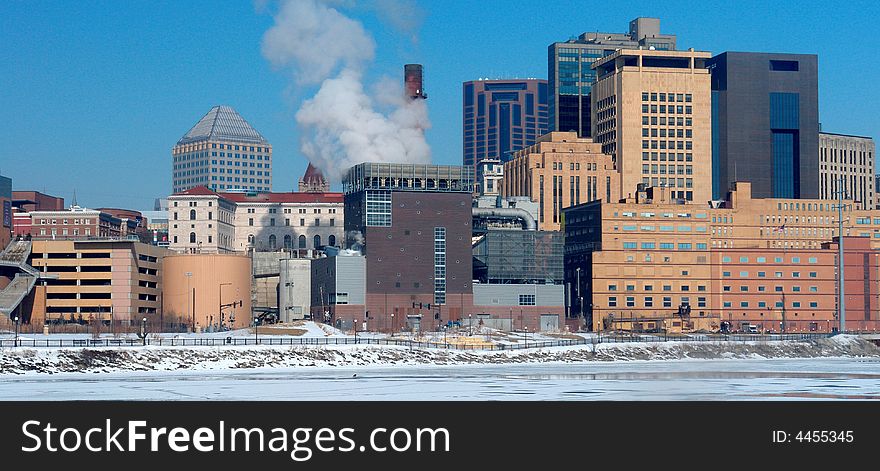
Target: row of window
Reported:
[(671, 145), (666, 246), (302, 222), (649, 301), (776, 289), (613, 287), (652, 228), (745, 259), (664, 121), (64, 222), (673, 97), (679, 109), (763, 274)]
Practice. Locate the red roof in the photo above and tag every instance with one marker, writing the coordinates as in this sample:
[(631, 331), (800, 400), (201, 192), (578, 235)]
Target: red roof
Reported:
[(291, 197), (198, 191), (313, 175), (288, 197)]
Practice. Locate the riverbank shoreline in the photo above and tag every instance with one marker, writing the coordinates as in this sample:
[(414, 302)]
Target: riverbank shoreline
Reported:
[(104, 360)]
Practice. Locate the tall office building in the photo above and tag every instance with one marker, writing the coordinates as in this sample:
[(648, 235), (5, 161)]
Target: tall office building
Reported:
[(850, 158), (652, 115), (559, 171), (502, 116), (571, 78), (224, 153), (766, 123)]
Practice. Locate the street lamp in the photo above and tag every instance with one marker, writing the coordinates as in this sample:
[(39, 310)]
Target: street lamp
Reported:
[(580, 299), (526, 328), (256, 331), (192, 314), (221, 304), (17, 324), (470, 326)]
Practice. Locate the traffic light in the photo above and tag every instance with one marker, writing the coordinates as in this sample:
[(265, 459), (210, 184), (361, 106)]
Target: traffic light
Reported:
[(436, 315), (429, 305), (414, 304), (420, 305)]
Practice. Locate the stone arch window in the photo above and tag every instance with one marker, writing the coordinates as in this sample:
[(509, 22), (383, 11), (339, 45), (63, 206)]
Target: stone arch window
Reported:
[(302, 241), (192, 237), (273, 242), (317, 241), (288, 242), (192, 214), (332, 240)]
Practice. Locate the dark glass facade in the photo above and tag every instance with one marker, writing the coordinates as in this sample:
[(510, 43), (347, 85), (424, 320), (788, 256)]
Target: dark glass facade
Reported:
[(501, 117), (765, 124)]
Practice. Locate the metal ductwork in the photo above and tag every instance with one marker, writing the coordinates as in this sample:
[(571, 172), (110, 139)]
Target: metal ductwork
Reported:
[(528, 222)]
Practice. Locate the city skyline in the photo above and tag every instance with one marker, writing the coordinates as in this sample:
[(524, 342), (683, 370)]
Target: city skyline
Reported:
[(121, 94)]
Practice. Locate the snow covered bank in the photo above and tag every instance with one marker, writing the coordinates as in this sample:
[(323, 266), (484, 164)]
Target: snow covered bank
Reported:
[(114, 360)]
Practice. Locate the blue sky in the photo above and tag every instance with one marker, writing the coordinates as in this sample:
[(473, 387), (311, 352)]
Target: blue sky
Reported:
[(113, 85)]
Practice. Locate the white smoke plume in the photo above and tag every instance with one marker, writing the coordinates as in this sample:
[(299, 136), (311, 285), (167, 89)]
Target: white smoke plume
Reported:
[(339, 125)]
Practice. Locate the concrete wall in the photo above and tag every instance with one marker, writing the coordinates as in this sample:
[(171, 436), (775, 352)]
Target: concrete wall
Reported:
[(508, 294), (295, 289)]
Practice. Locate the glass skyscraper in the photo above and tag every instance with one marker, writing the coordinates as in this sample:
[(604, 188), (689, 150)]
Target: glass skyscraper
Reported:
[(571, 78), (501, 117)]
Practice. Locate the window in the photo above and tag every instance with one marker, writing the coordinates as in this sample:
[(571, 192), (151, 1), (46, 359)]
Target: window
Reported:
[(612, 287), (527, 300), (288, 242), (612, 301), (273, 241), (667, 301), (317, 241), (192, 237), (302, 241), (250, 221), (649, 301), (192, 214), (743, 304), (762, 274), (630, 301)]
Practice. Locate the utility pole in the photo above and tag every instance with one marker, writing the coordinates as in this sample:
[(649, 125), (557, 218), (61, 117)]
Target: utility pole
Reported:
[(841, 300)]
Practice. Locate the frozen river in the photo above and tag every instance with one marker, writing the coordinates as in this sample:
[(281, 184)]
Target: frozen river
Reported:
[(636, 380)]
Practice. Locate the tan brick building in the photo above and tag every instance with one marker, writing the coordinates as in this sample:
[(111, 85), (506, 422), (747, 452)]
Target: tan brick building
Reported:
[(652, 114), (645, 256), (97, 279), (558, 171)]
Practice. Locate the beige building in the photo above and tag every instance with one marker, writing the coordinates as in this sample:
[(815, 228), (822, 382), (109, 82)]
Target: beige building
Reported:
[(558, 171), (200, 290), (649, 254), (850, 158), (105, 280), (203, 221), (651, 111)]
